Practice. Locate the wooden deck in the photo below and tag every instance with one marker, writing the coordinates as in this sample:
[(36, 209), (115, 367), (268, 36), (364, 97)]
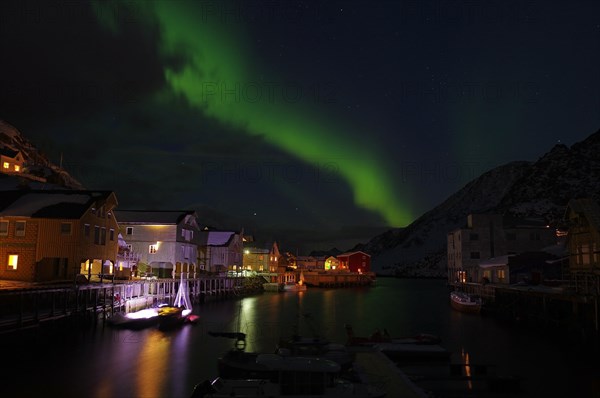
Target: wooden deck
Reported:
[(375, 368)]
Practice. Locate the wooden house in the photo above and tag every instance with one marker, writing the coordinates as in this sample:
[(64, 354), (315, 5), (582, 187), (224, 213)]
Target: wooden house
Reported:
[(11, 161), (52, 235), (583, 244), (220, 251), (355, 262), (166, 240)]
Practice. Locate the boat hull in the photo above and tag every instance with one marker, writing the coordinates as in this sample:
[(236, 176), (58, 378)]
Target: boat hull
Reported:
[(465, 304)]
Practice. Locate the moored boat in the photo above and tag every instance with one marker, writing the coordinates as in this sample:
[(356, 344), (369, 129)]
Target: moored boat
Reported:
[(464, 302), (289, 376)]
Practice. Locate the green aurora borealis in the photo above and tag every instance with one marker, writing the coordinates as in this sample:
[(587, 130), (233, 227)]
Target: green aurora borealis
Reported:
[(213, 58)]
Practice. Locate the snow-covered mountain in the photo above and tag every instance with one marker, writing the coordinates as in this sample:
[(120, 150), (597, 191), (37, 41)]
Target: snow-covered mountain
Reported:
[(37, 165), (538, 190)]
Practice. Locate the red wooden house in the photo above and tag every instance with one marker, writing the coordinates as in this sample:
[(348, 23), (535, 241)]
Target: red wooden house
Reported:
[(355, 261)]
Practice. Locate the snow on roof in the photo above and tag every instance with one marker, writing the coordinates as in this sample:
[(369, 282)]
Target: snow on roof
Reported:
[(556, 250), (495, 261), (348, 254), (48, 204), (219, 238)]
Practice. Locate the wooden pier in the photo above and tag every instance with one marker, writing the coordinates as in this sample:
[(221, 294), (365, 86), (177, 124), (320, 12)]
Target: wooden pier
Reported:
[(33, 306), (338, 279), (375, 368)]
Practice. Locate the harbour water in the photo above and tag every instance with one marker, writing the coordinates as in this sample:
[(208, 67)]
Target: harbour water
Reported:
[(103, 362)]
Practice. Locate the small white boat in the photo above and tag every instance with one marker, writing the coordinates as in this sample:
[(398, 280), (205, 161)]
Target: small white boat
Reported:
[(464, 302), (273, 287), (294, 287)]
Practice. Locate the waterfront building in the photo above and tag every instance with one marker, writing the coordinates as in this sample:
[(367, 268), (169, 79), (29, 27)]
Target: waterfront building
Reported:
[(583, 243), (220, 251), (256, 259), (48, 235), (331, 263), (310, 263), (127, 260), (355, 262), (529, 267), (491, 235), (11, 161), (166, 240)]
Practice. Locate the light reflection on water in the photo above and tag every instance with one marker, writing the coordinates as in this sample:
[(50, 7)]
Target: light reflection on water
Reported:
[(105, 362)]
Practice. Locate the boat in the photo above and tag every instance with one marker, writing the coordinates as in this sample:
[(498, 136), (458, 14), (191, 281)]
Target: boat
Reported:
[(294, 287), (413, 353), (273, 287), (134, 320), (378, 337), (171, 317), (165, 316), (423, 347), (289, 376), (464, 302), (238, 364)]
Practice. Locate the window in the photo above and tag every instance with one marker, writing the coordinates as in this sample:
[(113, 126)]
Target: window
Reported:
[(20, 228), (129, 231), (103, 236), (13, 260), (475, 255), (65, 228), (17, 167), (111, 234), (474, 236), (96, 235), (500, 274), (6, 165), (86, 229), (184, 251), (152, 249), (3, 228)]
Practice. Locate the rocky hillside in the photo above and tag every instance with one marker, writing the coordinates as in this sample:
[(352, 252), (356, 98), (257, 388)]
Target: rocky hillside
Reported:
[(538, 190), (37, 165)]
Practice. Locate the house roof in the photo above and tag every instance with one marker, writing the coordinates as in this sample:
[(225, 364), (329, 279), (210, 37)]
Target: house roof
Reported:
[(11, 153), (495, 261), (219, 238), (348, 254), (152, 216), (66, 204)]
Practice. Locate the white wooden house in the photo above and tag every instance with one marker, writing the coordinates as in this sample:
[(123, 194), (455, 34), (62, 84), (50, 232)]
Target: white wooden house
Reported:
[(166, 240)]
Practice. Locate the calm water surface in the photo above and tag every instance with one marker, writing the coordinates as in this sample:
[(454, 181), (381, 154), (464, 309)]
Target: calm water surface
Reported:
[(105, 362)]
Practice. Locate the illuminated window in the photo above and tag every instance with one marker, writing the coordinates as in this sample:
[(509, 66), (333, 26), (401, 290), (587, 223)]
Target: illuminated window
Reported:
[(6, 165), (20, 228), (65, 228), (500, 274), (17, 167), (13, 260), (3, 228), (152, 249)]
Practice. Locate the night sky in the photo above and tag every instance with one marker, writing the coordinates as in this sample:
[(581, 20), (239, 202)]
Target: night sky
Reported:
[(313, 123)]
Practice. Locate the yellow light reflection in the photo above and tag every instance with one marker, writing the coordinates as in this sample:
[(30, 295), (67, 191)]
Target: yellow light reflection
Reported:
[(152, 365), (467, 363)]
